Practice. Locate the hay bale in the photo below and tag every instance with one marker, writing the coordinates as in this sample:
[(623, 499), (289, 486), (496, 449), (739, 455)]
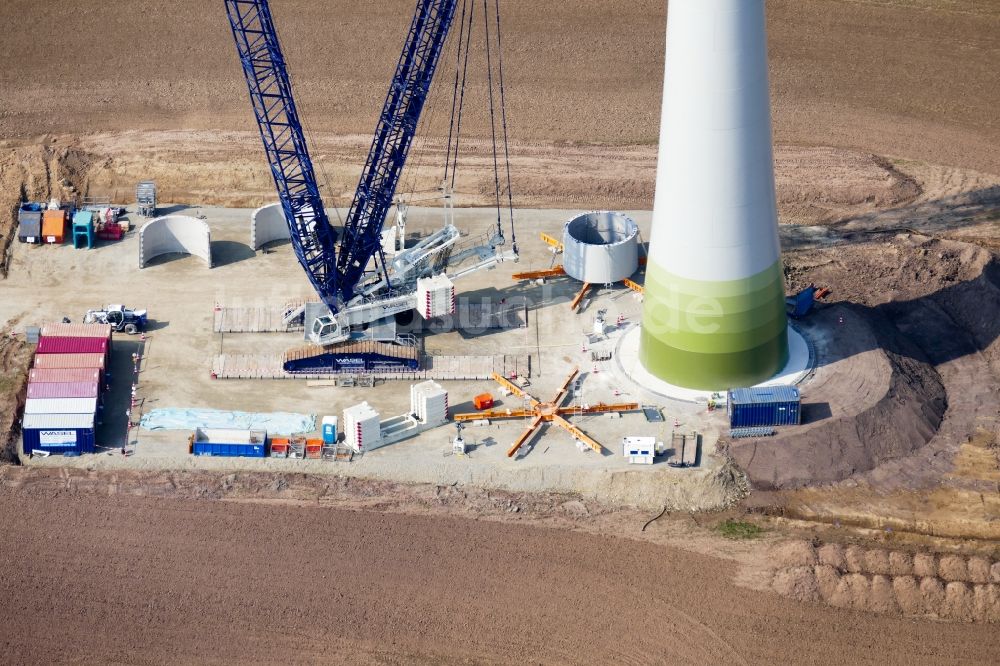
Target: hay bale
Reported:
[(793, 554), (958, 602), (908, 596), (979, 570), (827, 579), (855, 558), (992, 611), (858, 591), (952, 568), (925, 565), (883, 597), (797, 583), (877, 561), (932, 592), (980, 601), (832, 554), (841, 596), (995, 572), (900, 563)]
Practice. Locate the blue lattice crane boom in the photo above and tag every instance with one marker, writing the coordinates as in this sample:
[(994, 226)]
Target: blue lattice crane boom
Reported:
[(313, 238), (335, 274), (394, 133)]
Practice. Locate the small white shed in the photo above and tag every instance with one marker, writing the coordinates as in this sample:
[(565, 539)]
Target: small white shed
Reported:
[(639, 450)]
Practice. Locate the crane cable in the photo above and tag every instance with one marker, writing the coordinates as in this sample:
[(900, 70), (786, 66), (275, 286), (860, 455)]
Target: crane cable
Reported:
[(493, 124), (461, 100), (454, 94), (503, 115)]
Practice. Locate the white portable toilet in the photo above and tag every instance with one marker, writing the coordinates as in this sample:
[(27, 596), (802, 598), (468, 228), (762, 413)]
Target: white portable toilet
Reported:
[(330, 434)]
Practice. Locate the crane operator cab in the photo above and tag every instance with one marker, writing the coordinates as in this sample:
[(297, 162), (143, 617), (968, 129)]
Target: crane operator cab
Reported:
[(325, 330)]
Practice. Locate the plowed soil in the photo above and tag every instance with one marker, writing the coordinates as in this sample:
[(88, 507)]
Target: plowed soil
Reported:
[(132, 579), (913, 78)]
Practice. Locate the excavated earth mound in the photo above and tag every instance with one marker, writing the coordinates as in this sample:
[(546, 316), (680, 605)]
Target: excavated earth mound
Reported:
[(907, 309)]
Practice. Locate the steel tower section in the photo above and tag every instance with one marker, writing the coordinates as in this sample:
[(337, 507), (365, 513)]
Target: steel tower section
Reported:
[(313, 239), (393, 137), (714, 309)]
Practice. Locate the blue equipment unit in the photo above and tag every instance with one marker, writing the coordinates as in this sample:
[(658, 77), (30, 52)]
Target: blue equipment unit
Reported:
[(66, 434), (228, 450), (801, 303), (229, 442), (313, 238), (83, 230), (764, 406)]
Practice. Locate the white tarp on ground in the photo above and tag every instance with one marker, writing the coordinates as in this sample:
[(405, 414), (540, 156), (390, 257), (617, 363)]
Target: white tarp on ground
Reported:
[(278, 423)]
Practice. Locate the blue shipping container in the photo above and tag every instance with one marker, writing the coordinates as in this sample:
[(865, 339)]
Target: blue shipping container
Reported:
[(764, 406), (230, 450), (70, 434), (230, 442)]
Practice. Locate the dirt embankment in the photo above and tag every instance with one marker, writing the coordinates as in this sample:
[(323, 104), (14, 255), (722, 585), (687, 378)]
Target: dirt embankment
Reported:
[(15, 356), (904, 419), (946, 586), (820, 185), (930, 307)]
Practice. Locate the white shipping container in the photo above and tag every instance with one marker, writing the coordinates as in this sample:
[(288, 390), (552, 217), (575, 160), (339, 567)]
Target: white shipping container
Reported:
[(362, 427), (429, 402), (55, 421), (60, 406), (435, 296)]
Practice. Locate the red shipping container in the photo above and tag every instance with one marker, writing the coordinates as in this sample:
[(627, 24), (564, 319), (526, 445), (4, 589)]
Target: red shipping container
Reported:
[(63, 390), (47, 345), (49, 375), (90, 361)]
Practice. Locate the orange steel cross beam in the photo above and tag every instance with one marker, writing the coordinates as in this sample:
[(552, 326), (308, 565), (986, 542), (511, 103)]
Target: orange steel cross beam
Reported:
[(579, 297), (555, 271), (554, 243), (547, 412), (634, 286)]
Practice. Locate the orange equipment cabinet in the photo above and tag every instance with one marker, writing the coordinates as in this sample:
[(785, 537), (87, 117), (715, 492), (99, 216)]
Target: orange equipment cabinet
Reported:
[(279, 447), (314, 448), (54, 226), (483, 401)]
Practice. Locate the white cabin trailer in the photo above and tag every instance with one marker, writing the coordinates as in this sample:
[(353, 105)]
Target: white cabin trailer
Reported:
[(639, 450)]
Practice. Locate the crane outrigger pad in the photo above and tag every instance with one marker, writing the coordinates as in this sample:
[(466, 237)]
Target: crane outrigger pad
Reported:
[(362, 356)]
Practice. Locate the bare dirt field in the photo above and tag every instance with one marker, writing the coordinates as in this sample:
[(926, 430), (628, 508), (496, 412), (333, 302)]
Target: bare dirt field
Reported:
[(914, 78), (289, 572)]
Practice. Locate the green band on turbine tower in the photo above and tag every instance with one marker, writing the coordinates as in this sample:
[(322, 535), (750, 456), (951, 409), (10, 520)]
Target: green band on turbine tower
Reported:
[(714, 310), (714, 335)]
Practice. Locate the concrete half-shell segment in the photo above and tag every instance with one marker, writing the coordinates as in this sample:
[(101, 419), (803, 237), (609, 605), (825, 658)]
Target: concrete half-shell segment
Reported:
[(600, 247), (267, 224), (174, 233), (714, 308)]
